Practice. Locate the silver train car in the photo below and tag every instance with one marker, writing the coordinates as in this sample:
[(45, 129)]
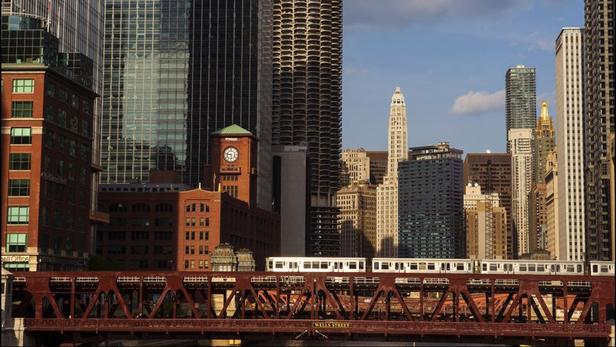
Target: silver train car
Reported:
[(315, 264), (416, 265)]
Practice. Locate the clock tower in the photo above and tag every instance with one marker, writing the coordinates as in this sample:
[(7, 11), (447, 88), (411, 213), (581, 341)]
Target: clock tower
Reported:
[(234, 163)]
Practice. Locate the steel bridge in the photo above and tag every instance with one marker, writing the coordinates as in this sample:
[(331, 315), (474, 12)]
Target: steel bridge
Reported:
[(418, 307)]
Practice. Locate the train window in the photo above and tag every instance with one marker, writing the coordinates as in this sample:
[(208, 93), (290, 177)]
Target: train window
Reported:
[(336, 265), (385, 266), (595, 268), (541, 268), (484, 266), (278, 265), (376, 265), (531, 267), (557, 267), (422, 266), (324, 265), (523, 267), (295, 265), (353, 265), (361, 265), (579, 268), (270, 264), (603, 268), (315, 264), (307, 265), (493, 267), (460, 266), (552, 268), (413, 266), (570, 268), (509, 267), (431, 266)]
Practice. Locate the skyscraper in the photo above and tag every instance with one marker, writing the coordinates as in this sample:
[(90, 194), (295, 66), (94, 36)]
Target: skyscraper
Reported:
[(357, 219), (570, 149), (544, 142), (553, 239), (430, 208), (307, 99), (177, 71), (521, 147), (492, 171), (598, 81), (521, 99), (355, 166), (387, 193)]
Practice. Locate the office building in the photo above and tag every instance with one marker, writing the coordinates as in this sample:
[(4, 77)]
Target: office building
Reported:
[(387, 192), (47, 140), (570, 134), (521, 147), (291, 198), (556, 243), (520, 98), (492, 171), (177, 71), (430, 204), (357, 220), (307, 101), (537, 218), (486, 224), (598, 81)]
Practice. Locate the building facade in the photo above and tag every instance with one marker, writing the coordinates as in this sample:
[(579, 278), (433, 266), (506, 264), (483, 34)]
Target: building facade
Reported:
[(556, 244), (307, 102), (537, 218), (544, 142), (520, 98), (355, 166), (570, 134), (486, 224), (430, 208), (387, 193), (47, 129), (599, 104), (357, 220), (492, 171), (521, 147)]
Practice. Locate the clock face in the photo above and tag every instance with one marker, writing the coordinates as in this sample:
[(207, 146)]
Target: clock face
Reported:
[(230, 154)]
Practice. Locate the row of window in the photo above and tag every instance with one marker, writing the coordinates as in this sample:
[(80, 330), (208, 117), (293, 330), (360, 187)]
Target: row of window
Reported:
[(203, 264), (203, 222), (193, 208)]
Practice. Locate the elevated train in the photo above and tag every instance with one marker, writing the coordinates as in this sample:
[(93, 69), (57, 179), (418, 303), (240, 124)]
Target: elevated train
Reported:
[(422, 265)]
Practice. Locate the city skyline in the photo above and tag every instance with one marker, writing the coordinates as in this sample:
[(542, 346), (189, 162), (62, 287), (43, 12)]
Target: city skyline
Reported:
[(467, 91)]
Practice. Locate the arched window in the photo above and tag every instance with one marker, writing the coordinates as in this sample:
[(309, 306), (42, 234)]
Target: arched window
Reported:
[(117, 207), (141, 207)]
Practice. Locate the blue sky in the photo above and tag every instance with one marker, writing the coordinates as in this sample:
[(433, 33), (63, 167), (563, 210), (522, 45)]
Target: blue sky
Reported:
[(440, 51)]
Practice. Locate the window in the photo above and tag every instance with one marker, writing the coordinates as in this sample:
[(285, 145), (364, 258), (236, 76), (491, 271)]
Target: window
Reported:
[(21, 109), (15, 243), (18, 215), (19, 161), (21, 136), (23, 86), (19, 187)]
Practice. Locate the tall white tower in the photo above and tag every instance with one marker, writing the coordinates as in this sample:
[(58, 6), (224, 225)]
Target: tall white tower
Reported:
[(521, 148), (387, 193), (570, 149)]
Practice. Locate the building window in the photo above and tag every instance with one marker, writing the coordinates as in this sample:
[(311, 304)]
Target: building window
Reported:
[(21, 136), (18, 215), (21, 109), (19, 161), (15, 243), (23, 86), (19, 187)]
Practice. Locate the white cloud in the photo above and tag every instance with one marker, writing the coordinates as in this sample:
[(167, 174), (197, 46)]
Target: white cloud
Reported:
[(474, 103), (401, 13)]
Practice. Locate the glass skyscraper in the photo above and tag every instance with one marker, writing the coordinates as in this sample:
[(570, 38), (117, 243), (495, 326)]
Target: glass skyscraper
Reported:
[(177, 71), (521, 98)]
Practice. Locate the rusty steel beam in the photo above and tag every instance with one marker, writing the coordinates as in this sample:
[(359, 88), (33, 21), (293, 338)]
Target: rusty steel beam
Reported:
[(329, 303)]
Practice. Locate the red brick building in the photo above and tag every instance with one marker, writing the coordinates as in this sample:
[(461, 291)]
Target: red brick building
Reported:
[(166, 225), (47, 125)]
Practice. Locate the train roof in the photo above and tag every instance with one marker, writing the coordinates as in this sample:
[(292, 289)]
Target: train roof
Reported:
[(419, 259), (315, 258)]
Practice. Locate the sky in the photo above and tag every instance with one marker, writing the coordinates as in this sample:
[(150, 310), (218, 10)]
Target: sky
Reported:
[(450, 58)]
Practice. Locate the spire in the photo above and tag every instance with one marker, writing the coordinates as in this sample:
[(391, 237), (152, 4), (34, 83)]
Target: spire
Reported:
[(544, 110), (398, 97)]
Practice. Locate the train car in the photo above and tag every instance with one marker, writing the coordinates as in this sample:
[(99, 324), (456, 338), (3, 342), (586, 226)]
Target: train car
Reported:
[(532, 267), (315, 264), (601, 268), (418, 265)]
